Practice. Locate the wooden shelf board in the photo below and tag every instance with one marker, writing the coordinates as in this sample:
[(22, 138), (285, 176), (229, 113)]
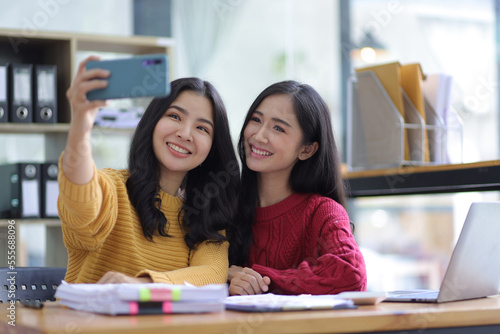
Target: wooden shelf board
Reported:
[(478, 176), (37, 128), (88, 38), (404, 170), (129, 44), (33, 128), (45, 221), (33, 35)]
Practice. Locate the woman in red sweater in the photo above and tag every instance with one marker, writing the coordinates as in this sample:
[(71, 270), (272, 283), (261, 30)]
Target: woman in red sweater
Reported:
[(292, 234)]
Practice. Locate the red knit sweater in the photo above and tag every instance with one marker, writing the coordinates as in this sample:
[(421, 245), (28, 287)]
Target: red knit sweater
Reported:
[(304, 244)]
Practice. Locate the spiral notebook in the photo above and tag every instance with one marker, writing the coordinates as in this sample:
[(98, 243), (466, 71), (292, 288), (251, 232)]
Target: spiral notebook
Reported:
[(279, 303)]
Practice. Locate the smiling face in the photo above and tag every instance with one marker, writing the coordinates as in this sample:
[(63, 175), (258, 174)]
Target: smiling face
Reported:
[(273, 137), (183, 136)]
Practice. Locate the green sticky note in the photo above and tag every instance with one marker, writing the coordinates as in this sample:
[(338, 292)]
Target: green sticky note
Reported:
[(176, 294), (144, 295)]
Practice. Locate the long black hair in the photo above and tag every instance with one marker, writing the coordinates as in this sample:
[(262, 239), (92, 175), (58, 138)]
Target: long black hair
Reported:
[(319, 174), (209, 189)]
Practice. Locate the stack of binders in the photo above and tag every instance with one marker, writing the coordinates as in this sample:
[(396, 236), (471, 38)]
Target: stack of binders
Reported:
[(148, 298), (4, 111), (28, 93), (29, 190)]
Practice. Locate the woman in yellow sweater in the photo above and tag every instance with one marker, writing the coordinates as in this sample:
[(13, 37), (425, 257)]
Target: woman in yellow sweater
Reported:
[(163, 219)]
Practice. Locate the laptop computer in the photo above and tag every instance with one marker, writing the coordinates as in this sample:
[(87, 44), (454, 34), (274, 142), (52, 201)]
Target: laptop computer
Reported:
[(474, 268)]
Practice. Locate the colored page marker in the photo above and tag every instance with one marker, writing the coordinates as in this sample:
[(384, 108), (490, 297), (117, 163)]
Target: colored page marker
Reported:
[(144, 295), (176, 294)]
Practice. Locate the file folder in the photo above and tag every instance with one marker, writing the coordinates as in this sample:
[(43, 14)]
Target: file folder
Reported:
[(20, 195), (50, 190), (389, 76), (375, 127), (21, 100), (45, 94), (4, 85)]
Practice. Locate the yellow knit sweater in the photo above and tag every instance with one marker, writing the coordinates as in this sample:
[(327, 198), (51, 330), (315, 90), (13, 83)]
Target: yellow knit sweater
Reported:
[(102, 233)]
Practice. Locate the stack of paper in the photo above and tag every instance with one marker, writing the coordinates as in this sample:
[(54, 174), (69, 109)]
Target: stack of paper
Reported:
[(437, 89), (148, 298), (411, 82), (119, 118)]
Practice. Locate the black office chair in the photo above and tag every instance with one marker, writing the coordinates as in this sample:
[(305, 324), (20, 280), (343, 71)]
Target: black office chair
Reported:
[(30, 283)]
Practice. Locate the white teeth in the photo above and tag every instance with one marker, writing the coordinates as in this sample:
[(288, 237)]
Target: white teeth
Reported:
[(177, 148), (259, 152)]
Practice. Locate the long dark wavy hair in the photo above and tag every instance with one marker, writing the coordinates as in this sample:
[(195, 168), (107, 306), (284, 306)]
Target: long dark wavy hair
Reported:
[(209, 190), (319, 174)]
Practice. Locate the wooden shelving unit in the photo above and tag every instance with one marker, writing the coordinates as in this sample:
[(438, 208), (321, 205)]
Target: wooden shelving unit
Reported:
[(61, 49)]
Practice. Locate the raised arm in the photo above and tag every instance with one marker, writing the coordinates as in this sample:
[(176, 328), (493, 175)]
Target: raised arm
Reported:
[(77, 163)]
